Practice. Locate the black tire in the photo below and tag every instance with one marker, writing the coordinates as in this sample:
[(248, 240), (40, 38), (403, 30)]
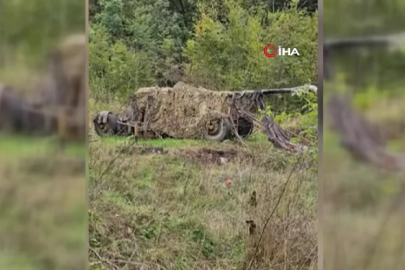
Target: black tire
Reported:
[(222, 132), (244, 127), (106, 129)]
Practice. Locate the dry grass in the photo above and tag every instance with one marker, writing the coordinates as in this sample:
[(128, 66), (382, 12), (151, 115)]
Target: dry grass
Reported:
[(172, 212), (42, 201)]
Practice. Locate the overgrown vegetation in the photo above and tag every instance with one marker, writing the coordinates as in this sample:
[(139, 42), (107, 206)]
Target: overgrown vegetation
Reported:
[(42, 205), (362, 215), (28, 33), (140, 43), (175, 210)]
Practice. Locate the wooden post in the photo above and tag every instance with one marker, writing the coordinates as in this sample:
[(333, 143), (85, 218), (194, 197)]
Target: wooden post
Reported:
[(136, 132)]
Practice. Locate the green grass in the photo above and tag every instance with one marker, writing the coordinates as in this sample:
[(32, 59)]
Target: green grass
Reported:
[(17, 146), (255, 139), (356, 201), (43, 204), (173, 212), (166, 143), (20, 146)]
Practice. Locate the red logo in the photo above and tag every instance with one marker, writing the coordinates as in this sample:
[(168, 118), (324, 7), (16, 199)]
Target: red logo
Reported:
[(266, 50)]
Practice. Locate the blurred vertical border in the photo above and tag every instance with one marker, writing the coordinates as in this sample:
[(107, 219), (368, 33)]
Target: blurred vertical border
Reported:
[(43, 206), (362, 166), (320, 134)]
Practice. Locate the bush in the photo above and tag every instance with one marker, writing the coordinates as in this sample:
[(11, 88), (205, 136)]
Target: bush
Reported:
[(230, 56), (115, 71)]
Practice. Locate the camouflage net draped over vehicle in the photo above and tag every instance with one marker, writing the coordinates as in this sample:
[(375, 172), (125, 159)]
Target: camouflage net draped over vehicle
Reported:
[(184, 111), (189, 112), (190, 109)]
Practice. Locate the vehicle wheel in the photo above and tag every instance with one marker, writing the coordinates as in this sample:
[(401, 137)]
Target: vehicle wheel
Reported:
[(218, 130), (106, 128), (245, 126)]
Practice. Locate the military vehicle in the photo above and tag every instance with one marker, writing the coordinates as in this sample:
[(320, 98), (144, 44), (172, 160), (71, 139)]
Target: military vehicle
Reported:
[(188, 112)]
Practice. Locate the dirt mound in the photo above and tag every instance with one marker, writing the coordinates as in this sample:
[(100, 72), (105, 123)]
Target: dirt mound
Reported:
[(211, 156)]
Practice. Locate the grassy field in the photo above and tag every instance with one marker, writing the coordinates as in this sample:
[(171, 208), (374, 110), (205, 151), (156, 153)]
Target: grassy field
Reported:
[(363, 217), (175, 210), (43, 205)]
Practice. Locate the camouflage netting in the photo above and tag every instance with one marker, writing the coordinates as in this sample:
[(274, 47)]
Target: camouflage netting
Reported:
[(185, 111), (190, 109)]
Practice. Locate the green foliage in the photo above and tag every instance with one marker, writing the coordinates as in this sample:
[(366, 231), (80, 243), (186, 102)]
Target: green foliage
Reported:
[(364, 100), (115, 71), (309, 119), (266, 112), (29, 29), (231, 56), (218, 43), (111, 17), (293, 29), (215, 44), (304, 118), (362, 17), (382, 68)]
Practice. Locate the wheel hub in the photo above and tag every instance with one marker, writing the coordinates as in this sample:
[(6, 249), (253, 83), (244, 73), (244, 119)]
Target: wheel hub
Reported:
[(103, 128), (214, 126)]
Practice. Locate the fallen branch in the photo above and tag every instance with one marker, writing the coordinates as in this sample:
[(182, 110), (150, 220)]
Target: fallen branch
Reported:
[(279, 137)]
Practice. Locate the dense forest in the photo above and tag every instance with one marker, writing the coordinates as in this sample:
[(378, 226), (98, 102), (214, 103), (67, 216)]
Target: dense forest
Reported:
[(215, 44)]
